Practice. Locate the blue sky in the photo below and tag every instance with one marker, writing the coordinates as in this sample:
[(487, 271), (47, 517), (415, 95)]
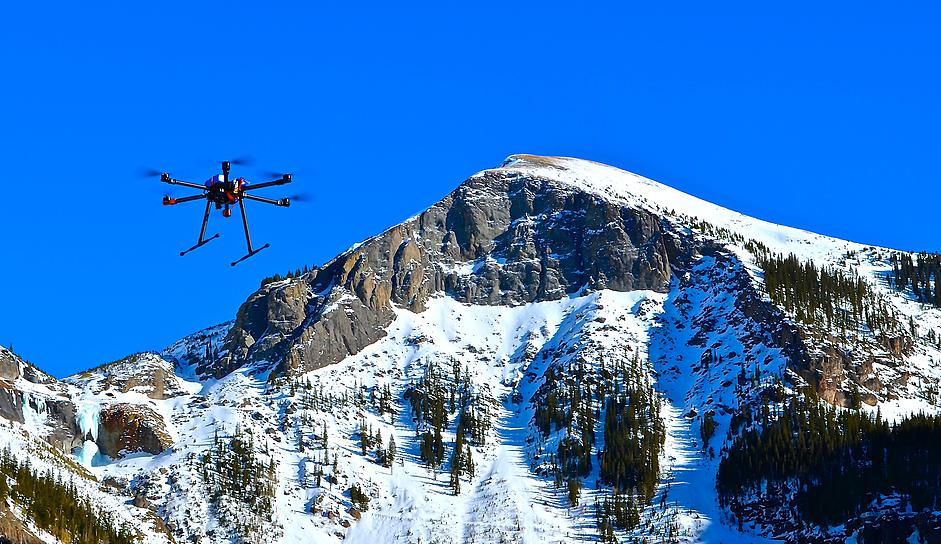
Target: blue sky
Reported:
[(824, 118)]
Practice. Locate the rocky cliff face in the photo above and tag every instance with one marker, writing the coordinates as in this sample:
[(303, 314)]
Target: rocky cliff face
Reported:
[(522, 238), (9, 365), (27, 392)]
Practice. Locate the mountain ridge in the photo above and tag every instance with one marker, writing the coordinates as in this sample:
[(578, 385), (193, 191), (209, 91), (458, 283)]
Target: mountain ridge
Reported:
[(500, 339)]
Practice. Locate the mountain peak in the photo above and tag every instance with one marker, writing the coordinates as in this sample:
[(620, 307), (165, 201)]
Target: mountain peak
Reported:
[(581, 174), (628, 188), (534, 229)]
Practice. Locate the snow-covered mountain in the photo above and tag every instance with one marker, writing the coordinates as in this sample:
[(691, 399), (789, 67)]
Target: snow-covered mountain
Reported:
[(560, 351)]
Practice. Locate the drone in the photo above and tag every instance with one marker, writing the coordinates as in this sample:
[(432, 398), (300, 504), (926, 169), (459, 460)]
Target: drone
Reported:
[(223, 192)]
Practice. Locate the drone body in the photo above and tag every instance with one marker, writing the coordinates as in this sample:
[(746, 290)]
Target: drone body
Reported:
[(223, 192)]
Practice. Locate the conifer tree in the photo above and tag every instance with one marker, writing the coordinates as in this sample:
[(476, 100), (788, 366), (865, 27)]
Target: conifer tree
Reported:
[(390, 454)]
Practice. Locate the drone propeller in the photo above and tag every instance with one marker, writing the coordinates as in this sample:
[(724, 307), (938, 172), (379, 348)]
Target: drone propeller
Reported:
[(151, 173), (275, 174), (148, 173), (301, 197), (242, 161)]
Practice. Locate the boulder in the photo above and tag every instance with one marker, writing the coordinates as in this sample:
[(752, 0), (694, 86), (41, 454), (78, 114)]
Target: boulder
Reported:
[(127, 428)]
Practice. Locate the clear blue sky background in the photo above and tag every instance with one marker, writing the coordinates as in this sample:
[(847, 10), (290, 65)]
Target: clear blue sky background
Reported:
[(825, 118)]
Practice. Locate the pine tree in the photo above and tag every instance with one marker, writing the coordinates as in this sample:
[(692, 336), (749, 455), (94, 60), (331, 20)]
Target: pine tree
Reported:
[(937, 288), (574, 490), (390, 454), (469, 462), (380, 449)]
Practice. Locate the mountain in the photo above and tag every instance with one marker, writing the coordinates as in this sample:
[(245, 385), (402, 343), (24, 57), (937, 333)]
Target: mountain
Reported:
[(557, 351)]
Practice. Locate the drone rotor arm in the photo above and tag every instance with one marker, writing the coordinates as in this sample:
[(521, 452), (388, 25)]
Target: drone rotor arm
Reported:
[(284, 180), (283, 202), (167, 201), (167, 179)]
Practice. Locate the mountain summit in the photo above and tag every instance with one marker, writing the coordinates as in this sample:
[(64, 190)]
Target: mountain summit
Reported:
[(557, 351)]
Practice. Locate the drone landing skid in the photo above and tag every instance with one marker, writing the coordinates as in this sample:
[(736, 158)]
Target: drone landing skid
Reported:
[(200, 244), (250, 254)]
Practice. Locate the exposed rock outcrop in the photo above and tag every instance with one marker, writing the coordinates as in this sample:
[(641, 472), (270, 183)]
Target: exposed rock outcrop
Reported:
[(53, 408), (128, 428), (502, 237), (147, 373), (13, 530), (9, 365), (11, 402)]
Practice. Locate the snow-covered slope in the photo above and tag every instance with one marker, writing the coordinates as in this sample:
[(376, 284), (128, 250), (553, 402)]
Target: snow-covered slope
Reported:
[(531, 281)]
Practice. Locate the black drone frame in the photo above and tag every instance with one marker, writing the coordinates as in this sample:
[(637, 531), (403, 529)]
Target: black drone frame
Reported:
[(213, 196)]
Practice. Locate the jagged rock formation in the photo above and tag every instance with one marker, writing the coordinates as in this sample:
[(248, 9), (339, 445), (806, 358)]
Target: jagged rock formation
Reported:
[(11, 402), (9, 365), (25, 390), (523, 238)]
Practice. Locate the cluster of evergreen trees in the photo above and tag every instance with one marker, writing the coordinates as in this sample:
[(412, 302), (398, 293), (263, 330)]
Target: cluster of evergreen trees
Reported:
[(616, 511), (633, 438), (384, 404), (428, 399), (291, 274), (314, 398), (240, 487), (359, 498), (433, 399), (469, 429), (624, 401), (372, 442), (713, 231), (55, 506), (313, 437), (836, 462), (320, 458), (707, 428), (826, 297), (922, 274), (569, 406)]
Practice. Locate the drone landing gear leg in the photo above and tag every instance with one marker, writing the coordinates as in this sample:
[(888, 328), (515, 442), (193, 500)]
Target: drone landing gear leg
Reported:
[(248, 238), (202, 232)]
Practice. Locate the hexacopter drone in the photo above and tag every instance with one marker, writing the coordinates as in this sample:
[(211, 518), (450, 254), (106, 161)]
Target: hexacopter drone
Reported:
[(225, 192)]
